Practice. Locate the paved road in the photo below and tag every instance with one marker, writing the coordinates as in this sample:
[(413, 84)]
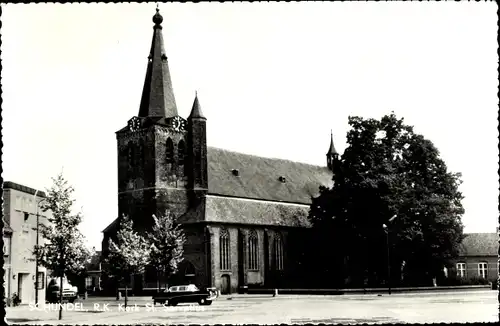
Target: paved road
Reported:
[(470, 306)]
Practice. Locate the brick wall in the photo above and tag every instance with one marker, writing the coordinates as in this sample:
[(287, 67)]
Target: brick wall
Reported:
[(239, 274), (472, 269)]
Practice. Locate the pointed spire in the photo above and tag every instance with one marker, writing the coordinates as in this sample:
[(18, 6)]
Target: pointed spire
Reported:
[(158, 95), (196, 110), (331, 150)]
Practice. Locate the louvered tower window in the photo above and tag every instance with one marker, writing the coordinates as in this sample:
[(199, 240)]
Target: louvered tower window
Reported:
[(169, 151)]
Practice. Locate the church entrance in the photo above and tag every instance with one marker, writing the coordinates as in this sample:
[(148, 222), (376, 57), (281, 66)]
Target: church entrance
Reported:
[(225, 284)]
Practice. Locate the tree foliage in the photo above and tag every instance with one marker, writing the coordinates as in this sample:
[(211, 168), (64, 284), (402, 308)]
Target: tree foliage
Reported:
[(129, 256), (167, 242), (63, 251), (387, 169)]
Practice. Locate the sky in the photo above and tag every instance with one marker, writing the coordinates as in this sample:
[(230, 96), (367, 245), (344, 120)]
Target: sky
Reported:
[(272, 78)]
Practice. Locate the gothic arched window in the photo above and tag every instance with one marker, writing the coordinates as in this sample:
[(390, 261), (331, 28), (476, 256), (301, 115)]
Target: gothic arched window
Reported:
[(225, 254), (278, 252), (141, 152), (253, 251), (181, 152), (169, 151)]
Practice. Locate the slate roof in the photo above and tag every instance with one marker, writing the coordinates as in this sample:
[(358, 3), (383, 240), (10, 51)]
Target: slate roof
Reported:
[(479, 244), (196, 110), (332, 150), (158, 95), (244, 211), (259, 177)]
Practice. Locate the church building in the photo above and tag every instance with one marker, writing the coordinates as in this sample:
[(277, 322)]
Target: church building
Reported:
[(242, 214)]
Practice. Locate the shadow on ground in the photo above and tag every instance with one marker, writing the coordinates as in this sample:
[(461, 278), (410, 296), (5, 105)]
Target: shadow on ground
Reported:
[(345, 320), (21, 320)]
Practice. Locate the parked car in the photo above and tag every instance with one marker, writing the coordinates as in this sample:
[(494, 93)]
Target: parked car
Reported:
[(185, 293), (70, 292)]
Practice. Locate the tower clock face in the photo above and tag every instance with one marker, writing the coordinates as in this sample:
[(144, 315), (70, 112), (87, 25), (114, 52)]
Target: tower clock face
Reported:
[(134, 124), (178, 124)]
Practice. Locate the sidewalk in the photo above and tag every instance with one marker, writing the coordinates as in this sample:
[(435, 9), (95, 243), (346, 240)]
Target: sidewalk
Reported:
[(268, 293)]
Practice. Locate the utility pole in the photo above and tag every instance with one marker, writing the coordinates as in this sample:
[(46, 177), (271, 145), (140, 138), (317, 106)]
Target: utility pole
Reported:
[(36, 255), (37, 203), (386, 230), (388, 258)]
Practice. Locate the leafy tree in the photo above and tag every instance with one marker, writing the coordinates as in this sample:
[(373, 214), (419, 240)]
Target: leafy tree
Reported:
[(167, 241), (389, 170), (129, 256), (64, 250)]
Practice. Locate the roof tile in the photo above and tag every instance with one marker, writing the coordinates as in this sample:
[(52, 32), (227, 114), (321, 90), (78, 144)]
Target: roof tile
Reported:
[(259, 177), (479, 244)]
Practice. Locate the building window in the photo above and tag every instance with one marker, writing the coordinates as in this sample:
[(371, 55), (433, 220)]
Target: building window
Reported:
[(461, 270), (6, 246), (483, 270), (88, 282), (225, 262), (278, 252), (41, 281), (253, 252), (131, 155), (169, 151), (26, 216), (19, 203)]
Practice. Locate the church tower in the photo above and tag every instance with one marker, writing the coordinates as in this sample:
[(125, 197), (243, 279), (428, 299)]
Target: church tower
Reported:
[(332, 155), (153, 156)]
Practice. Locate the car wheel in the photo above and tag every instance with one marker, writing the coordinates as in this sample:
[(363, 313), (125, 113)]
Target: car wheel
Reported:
[(202, 301), (71, 300), (172, 303), (208, 302), (154, 303)]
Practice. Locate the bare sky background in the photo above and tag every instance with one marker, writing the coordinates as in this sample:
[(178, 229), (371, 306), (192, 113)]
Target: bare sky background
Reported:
[(273, 79)]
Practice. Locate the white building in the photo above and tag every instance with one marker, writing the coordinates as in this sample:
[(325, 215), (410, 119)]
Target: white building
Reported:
[(21, 205)]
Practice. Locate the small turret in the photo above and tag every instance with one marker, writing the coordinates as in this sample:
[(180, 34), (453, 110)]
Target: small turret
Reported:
[(196, 110), (197, 139), (332, 155)]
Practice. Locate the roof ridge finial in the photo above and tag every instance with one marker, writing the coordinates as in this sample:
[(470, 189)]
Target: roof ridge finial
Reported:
[(157, 18), (195, 93)]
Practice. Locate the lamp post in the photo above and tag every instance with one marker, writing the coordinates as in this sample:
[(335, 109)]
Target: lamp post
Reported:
[(386, 230), (36, 256)]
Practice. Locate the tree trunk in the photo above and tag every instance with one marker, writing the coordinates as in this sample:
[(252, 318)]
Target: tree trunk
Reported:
[(60, 296), (117, 291), (165, 277), (158, 285), (126, 294)]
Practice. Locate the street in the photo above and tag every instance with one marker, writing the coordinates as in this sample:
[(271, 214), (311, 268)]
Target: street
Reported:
[(432, 307)]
